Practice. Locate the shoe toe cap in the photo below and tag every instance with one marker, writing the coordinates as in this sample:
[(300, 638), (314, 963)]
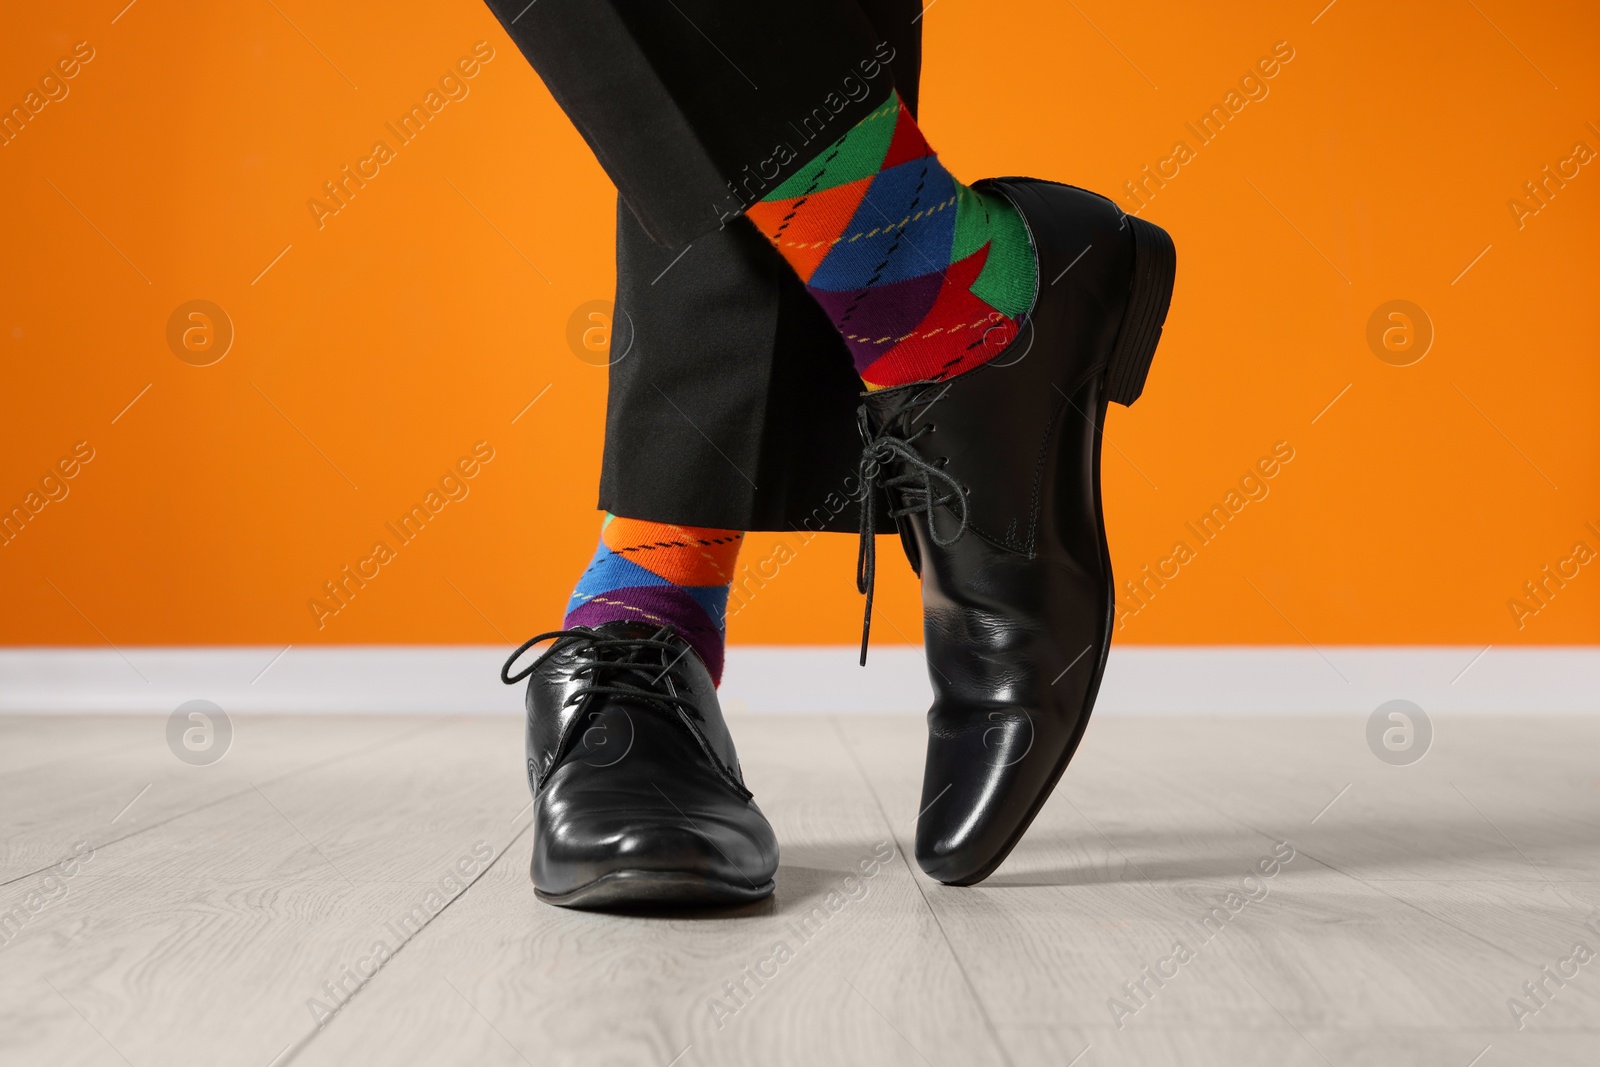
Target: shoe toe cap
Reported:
[(721, 843), (978, 792)]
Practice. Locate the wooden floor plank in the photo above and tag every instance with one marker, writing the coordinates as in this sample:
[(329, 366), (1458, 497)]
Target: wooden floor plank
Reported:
[(1059, 1046), (867, 976), (1418, 902), (1154, 825), (98, 794), (208, 938)]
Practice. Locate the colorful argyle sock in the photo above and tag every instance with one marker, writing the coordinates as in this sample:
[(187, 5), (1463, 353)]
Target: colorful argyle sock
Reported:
[(656, 573), (924, 277)]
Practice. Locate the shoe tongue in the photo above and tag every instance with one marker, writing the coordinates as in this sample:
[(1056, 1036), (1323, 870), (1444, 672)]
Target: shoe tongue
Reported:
[(628, 628)]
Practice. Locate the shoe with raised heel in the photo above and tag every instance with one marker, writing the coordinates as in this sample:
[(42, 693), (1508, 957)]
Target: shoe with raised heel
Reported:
[(994, 480)]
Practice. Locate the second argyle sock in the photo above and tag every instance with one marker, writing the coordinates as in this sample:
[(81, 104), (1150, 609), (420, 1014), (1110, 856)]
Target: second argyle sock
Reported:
[(659, 573)]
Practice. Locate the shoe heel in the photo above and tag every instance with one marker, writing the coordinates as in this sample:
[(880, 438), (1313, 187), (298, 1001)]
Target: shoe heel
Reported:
[(1155, 263)]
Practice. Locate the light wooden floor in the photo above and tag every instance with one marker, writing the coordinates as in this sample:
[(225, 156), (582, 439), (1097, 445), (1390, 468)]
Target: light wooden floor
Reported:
[(221, 899)]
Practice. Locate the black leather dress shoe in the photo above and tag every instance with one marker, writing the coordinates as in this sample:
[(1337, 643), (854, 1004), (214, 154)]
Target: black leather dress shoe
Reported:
[(638, 798), (994, 478)]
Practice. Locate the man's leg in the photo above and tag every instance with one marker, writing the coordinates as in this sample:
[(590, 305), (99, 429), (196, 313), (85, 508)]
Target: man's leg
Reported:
[(734, 374), (732, 405), (1000, 512)]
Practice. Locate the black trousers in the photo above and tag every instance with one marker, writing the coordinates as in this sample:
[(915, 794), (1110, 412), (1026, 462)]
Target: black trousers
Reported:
[(732, 398)]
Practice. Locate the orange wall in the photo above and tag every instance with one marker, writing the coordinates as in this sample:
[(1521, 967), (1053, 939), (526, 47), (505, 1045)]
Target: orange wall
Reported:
[(425, 316)]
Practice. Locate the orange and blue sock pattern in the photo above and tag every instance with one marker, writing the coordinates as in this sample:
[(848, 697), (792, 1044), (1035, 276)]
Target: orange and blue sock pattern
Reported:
[(659, 573)]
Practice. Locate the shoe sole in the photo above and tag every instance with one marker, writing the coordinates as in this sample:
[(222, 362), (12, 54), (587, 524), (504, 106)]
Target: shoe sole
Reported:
[(655, 889), (1155, 266)]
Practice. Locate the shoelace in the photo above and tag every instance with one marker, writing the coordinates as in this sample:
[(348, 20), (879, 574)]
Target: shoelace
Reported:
[(611, 656), (912, 486), (614, 664)]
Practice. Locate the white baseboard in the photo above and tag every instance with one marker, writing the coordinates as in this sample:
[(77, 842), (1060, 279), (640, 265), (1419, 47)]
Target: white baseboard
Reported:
[(1139, 679)]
